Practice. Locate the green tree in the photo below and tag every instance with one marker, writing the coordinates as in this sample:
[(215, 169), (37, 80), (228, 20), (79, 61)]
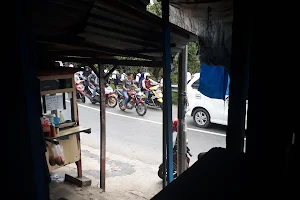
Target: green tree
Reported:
[(193, 60), (155, 8)]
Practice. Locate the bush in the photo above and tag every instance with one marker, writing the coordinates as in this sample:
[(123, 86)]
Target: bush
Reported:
[(174, 98)]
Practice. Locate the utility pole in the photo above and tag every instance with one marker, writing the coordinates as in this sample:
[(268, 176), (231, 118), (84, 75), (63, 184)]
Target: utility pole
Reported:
[(182, 103)]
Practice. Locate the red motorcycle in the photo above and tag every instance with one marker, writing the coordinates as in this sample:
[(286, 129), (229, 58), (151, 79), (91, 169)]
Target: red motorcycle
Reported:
[(134, 101), (160, 169)]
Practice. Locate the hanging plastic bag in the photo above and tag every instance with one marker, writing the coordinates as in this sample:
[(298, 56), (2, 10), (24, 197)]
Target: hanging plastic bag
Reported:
[(51, 158), (56, 154), (60, 158)]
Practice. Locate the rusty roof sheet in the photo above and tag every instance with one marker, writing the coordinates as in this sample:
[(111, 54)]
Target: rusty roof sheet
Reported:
[(102, 29)]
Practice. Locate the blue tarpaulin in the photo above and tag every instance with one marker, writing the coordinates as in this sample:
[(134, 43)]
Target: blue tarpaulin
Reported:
[(214, 81), (227, 90)]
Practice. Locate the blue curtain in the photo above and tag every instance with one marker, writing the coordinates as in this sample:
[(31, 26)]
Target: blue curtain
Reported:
[(228, 82), (214, 81)]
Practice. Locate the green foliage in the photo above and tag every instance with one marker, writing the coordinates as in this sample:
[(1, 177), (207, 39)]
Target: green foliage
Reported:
[(193, 60), (156, 72), (155, 8), (174, 98), (96, 66)]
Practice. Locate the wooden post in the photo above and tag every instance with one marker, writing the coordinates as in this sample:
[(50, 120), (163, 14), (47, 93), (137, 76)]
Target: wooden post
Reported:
[(74, 100), (182, 103), (79, 163), (102, 128)]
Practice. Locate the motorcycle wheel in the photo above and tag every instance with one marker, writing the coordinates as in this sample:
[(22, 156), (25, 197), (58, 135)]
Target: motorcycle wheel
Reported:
[(161, 105), (130, 105), (83, 98), (160, 172), (93, 101), (112, 102), (121, 105), (141, 109)]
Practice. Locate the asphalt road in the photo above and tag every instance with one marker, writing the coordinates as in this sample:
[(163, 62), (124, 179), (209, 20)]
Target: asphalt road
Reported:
[(140, 138)]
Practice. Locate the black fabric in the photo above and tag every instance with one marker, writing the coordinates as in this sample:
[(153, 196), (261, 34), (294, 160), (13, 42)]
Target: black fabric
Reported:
[(215, 43), (217, 175)]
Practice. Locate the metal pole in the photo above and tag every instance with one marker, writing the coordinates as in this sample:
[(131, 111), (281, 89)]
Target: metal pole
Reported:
[(102, 128), (167, 104), (181, 136)]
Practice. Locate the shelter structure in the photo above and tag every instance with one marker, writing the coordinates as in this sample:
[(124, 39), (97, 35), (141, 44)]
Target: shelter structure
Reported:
[(89, 31), (62, 29), (94, 32)]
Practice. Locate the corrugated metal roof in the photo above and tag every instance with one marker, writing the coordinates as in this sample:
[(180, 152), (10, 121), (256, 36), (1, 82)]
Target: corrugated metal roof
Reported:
[(103, 28), (220, 9)]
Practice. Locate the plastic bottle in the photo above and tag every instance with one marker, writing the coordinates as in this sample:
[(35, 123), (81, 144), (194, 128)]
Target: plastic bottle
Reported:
[(52, 119), (61, 117), (46, 126)]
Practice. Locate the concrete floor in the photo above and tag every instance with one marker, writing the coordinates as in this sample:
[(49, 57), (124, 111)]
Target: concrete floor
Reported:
[(65, 191), (126, 179)]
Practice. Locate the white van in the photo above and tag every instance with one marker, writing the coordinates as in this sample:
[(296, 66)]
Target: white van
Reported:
[(203, 109)]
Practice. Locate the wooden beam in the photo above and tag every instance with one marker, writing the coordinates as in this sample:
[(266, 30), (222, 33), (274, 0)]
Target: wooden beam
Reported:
[(78, 52), (89, 53), (91, 61), (133, 62), (83, 45), (87, 60)]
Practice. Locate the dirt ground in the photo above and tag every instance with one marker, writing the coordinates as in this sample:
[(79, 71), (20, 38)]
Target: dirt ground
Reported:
[(126, 179), (66, 191)]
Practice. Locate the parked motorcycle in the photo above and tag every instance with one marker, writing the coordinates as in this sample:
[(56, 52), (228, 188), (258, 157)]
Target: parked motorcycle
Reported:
[(135, 101), (160, 168), (155, 98), (110, 96)]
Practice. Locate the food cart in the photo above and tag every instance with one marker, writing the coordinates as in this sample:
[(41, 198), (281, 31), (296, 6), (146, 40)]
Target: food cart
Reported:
[(59, 107)]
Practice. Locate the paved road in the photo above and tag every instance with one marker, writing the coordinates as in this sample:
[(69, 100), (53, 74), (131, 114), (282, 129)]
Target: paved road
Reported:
[(140, 138)]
